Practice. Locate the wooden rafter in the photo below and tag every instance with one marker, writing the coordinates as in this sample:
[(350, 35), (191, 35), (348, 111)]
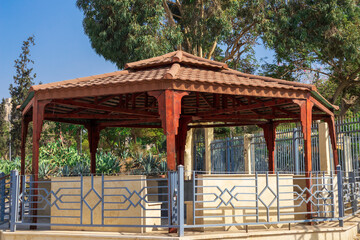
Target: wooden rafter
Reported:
[(206, 100), (103, 108), (132, 122), (245, 107)]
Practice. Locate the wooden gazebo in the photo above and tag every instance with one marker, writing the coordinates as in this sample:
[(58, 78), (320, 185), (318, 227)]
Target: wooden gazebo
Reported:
[(169, 92)]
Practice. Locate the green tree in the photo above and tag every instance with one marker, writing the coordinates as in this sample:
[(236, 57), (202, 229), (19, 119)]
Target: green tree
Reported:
[(130, 30), (317, 41), (23, 79), (4, 130)]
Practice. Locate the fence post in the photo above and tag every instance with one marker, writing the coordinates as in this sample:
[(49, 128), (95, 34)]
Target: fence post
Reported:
[(172, 198), (228, 163), (189, 154), (180, 201), (14, 176), (247, 154), (324, 148), (209, 137), (353, 195), (348, 154), (3, 197), (296, 150), (340, 195)]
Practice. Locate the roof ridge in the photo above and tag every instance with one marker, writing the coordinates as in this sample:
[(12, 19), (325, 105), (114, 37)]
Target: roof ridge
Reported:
[(171, 73), (76, 80), (177, 57), (136, 63), (220, 64)]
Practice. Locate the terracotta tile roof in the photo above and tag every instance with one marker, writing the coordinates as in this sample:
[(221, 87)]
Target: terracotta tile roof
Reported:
[(176, 66)]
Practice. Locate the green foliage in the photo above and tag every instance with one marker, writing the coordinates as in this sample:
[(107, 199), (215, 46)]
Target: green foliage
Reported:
[(131, 30), (4, 131), (150, 165), (7, 166), (127, 30), (107, 164), (23, 79), (317, 41)]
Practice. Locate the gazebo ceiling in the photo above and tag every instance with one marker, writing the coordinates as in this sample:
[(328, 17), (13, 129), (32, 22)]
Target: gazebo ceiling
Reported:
[(216, 93)]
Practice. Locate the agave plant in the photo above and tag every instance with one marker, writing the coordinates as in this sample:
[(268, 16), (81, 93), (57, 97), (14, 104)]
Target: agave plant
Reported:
[(150, 165), (106, 163)]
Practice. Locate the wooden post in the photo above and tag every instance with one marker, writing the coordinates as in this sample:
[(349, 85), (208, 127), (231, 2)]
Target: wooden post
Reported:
[(270, 135), (181, 140), (93, 137), (306, 121), (331, 124), (169, 102), (38, 118)]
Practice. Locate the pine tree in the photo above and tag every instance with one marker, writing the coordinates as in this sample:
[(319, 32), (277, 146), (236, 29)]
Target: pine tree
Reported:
[(23, 79)]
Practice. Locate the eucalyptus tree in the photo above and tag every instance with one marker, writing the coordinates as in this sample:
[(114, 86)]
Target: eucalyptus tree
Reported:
[(320, 39), (129, 30)]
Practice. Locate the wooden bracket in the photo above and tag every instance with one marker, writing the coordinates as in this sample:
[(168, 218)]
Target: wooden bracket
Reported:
[(270, 135), (169, 104)]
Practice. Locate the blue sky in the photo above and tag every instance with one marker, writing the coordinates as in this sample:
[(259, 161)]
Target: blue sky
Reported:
[(62, 49)]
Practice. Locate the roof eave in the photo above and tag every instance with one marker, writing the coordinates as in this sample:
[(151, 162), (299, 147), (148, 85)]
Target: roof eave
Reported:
[(324, 101), (27, 100)]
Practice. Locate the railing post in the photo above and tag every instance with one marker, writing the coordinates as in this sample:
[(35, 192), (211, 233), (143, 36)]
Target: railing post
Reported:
[(172, 198), (296, 150), (14, 176), (353, 196), (340, 195), (3, 197), (228, 164), (180, 201)]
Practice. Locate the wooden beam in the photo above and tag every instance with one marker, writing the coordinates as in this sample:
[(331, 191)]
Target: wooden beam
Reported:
[(93, 116), (290, 114), (131, 122), (64, 121), (105, 99), (197, 102), (245, 107), (226, 125), (28, 107), (103, 108), (216, 101), (206, 100), (321, 107), (243, 116), (134, 126)]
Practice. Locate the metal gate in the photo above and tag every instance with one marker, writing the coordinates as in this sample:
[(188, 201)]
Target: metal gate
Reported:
[(5, 186)]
